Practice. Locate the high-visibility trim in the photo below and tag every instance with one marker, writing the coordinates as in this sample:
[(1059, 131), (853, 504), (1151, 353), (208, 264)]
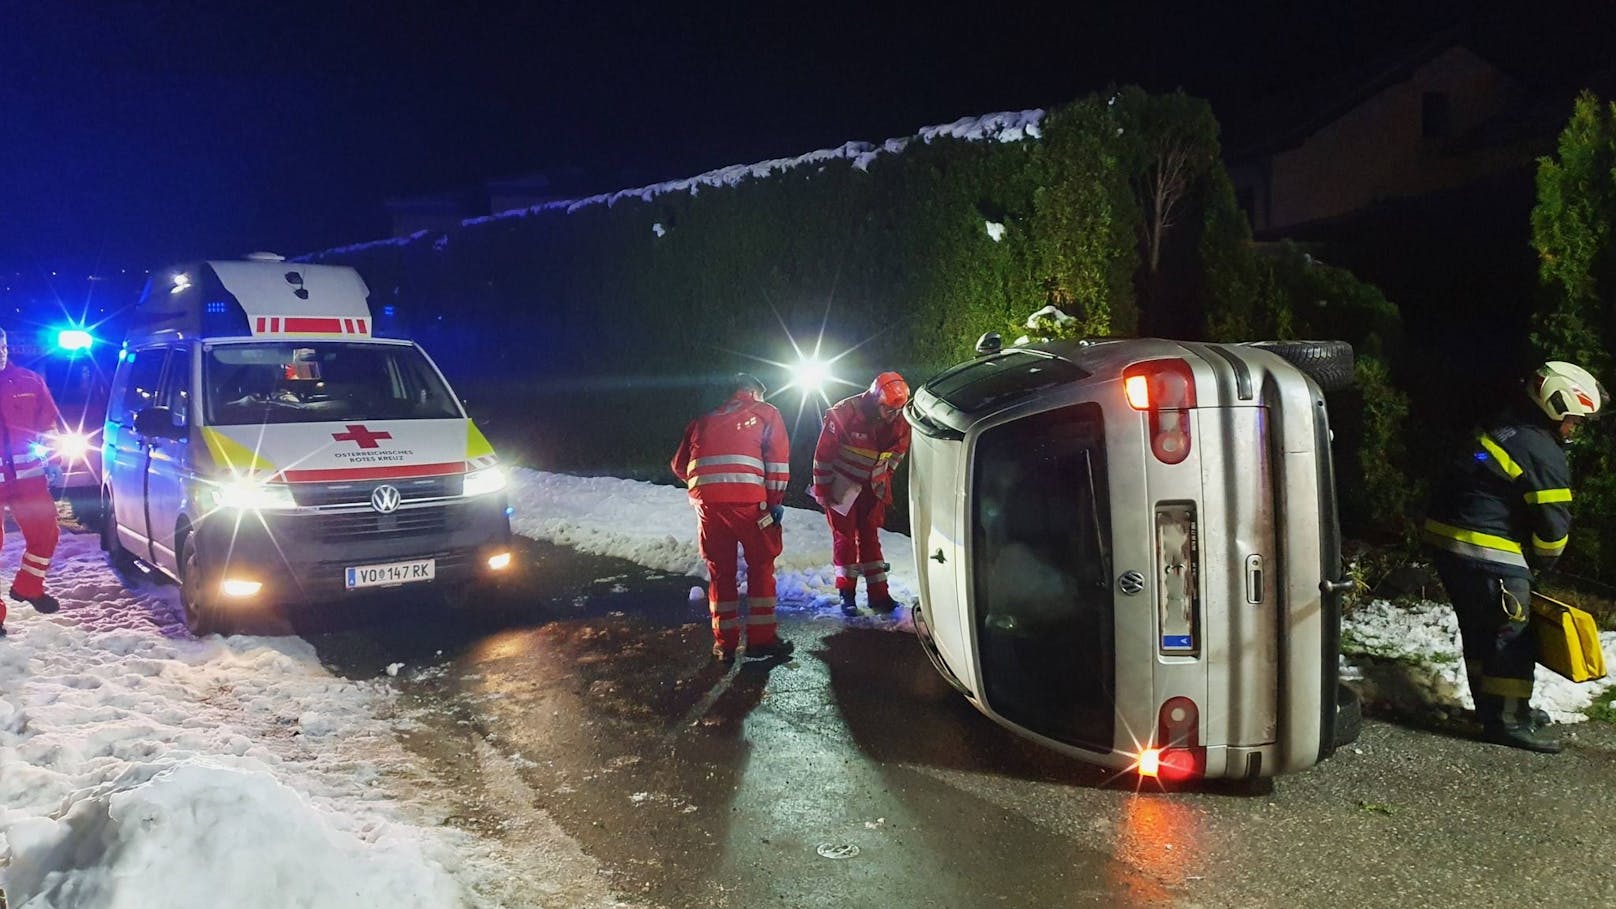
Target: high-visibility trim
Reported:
[(777, 467), (1546, 496), (39, 572), (778, 485), (1469, 544), (717, 460), (707, 479), (1508, 688), (758, 619), (1511, 469), (373, 473), (1550, 547), (41, 561), (477, 445), (311, 326), (26, 473), (233, 455), (849, 571)]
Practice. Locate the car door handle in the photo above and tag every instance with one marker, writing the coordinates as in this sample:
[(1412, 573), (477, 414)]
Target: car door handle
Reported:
[(938, 555)]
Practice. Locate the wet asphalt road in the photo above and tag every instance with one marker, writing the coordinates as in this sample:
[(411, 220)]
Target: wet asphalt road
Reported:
[(587, 690)]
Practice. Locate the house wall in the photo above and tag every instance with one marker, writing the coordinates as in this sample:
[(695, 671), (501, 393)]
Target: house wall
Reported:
[(1377, 150)]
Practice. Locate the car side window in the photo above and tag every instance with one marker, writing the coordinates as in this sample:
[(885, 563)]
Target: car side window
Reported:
[(176, 393), (145, 374)]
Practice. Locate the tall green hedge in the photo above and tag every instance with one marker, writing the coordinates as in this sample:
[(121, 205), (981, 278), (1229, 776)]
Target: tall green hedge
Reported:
[(1574, 232), (607, 322)]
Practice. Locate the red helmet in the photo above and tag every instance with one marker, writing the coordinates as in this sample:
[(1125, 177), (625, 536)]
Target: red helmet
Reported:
[(890, 390)]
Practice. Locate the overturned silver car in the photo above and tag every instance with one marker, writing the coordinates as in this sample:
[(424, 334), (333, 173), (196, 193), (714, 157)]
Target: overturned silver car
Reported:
[(1130, 550)]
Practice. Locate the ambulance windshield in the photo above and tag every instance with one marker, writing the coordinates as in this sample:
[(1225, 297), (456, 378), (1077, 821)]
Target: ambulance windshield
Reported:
[(317, 381)]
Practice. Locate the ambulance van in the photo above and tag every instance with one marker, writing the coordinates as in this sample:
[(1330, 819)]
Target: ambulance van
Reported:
[(263, 447), (1129, 551)]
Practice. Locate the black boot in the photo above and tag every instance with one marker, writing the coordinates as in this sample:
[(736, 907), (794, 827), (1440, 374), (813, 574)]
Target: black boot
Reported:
[(849, 604), (779, 650), (2, 631), (881, 601), (43, 603), (1520, 735)]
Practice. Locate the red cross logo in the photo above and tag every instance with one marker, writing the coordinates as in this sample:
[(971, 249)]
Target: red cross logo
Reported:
[(361, 435)]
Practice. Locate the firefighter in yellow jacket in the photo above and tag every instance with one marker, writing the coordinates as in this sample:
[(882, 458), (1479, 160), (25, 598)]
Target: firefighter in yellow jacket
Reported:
[(736, 461), (1499, 513)]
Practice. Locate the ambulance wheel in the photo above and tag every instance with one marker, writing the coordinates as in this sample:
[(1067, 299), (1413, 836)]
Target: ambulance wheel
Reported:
[(201, 612), (1328, 363), (110, 544)]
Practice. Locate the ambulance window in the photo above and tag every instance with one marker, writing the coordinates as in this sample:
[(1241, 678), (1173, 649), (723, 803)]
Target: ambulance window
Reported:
[(145, 372), (176, 395)]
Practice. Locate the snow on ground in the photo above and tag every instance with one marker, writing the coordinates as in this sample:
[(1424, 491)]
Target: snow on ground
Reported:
[(140, 766)]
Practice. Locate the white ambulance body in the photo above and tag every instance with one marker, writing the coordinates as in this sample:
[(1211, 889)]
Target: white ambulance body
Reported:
[(262, 446)]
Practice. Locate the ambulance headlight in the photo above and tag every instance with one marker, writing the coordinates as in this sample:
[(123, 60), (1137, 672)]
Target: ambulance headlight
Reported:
[(485, 481), (251, 495), (72, 446)]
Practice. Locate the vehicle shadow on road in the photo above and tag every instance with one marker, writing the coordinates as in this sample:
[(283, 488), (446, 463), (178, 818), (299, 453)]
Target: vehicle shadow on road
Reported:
[(920, 719)]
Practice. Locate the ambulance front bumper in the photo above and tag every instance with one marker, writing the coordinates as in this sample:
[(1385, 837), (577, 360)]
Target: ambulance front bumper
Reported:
[(318, 555)]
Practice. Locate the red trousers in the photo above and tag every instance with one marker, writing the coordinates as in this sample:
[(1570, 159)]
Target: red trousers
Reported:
[(855, 544), (35, 512), (723, 527)]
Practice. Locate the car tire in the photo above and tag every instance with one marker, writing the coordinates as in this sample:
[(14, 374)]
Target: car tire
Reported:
[(1348, 716), (117, 556), (1328, 363), (201, 608)]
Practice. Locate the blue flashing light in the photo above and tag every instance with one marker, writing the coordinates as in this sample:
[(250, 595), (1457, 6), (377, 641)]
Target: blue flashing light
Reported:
[(388, 311), (217, 306), (510, 510), (74, 339)]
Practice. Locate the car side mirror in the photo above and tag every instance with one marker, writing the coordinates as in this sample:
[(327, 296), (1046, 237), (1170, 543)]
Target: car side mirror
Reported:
[(155, 421), (989, 343)]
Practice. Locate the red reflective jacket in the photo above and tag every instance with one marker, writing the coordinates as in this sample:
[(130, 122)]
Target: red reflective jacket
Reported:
[(27, 412), (736, 454), (858, 449)]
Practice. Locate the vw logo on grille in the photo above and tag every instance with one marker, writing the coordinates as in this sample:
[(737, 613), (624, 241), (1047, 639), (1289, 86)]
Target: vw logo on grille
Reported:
[(385, 499), (1131, 582)]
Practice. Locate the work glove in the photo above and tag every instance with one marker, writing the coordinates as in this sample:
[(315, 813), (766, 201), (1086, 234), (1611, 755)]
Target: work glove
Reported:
[(777, 512)]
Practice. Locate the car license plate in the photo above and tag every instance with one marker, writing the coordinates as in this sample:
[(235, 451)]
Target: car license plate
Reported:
[(392, 573)]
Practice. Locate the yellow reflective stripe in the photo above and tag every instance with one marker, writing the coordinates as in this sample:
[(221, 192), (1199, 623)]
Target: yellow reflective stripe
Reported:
[(1511, 469), (1473, 537), (1508, 688), (1545, 496), (1549, 547)]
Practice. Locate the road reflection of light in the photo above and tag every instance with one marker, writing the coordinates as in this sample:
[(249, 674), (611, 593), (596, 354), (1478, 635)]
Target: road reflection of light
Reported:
[(505, 644), (1160, 835)]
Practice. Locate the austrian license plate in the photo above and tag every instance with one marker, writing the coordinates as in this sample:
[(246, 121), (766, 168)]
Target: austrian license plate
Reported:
[(392, 573)]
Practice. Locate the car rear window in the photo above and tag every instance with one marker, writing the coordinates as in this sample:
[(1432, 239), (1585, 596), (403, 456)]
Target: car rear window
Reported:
[(1002, 379), (1042, 541)]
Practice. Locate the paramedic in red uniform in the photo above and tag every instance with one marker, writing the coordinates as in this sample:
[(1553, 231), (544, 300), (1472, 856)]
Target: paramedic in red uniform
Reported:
[(735, 461), (860, 447), (27, 414)]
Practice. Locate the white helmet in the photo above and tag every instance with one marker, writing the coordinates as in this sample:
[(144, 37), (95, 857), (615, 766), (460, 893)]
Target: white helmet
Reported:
[(1566, 390)]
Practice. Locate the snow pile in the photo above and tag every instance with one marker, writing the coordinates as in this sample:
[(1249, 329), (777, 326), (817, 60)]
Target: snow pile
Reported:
[(1004, 126), (654, 526), (142, 767)]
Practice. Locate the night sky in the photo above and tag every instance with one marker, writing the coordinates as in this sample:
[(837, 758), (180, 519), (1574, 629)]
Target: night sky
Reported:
[(143, 133)]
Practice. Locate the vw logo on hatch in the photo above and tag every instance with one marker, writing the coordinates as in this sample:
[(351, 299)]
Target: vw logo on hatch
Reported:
[(1131, 582), (385, 499)]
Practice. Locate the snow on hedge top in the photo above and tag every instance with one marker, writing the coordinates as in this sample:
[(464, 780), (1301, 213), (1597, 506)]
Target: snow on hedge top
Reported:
[(1005, 126)]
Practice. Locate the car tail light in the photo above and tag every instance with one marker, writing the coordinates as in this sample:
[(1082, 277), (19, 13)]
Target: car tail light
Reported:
[(1177, 754), (1166, 390)]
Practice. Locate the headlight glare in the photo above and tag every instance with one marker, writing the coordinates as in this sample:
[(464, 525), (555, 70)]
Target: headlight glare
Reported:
[(485, 481), (252, 495)]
